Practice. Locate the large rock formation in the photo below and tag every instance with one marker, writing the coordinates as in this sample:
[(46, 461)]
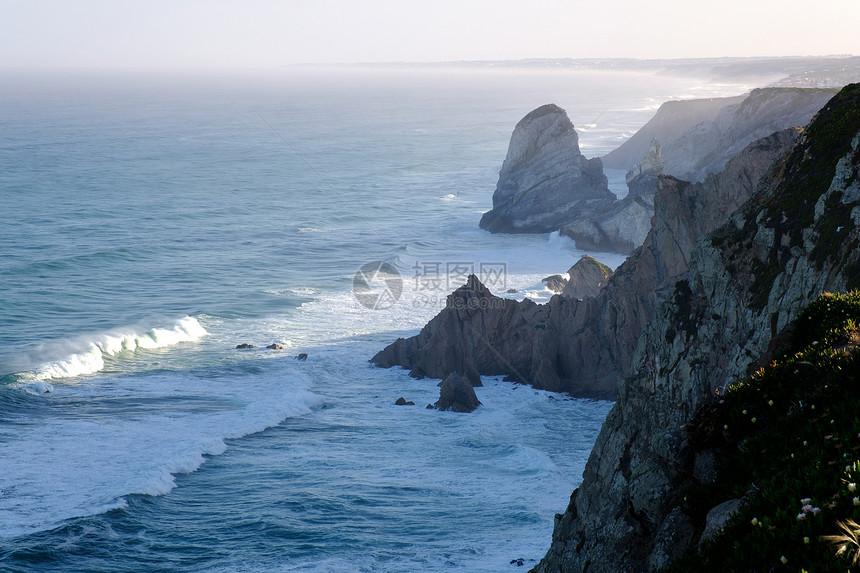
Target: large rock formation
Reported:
[(456, 394), (624, 225), (699, 137), (545, 181), (797, 237), (583, 347)]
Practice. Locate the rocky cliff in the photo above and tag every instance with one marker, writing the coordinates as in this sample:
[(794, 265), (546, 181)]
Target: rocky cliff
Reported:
[(545, 180), (698, 137), (584, 347), (622, 226), (672, 120), (798, 236)]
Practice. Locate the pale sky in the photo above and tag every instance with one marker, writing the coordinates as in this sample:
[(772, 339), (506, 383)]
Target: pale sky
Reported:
[(253, 34)]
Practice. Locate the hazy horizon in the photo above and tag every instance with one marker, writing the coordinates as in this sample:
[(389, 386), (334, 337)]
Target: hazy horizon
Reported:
[(260, 34)]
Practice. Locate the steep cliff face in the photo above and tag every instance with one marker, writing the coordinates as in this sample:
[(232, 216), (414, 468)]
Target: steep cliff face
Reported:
[(672, 120), (699, 137), (797, 237), (545, 180), (584, 347), (708, 147)]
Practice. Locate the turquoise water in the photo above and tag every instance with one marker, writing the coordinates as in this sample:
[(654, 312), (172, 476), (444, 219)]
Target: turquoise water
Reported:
[(152, 223)]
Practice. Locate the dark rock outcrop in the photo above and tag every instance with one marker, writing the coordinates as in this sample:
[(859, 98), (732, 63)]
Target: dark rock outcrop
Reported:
[(555, 283), (403, 402), (545, 180), (275, 346), (798, 236), (584, 347), (457, 395), (244, 346)]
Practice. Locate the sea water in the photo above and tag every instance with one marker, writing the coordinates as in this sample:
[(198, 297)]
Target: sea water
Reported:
[(149, 224)]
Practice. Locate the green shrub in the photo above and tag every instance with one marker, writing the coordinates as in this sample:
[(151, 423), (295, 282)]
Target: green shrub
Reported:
[(787, 441)]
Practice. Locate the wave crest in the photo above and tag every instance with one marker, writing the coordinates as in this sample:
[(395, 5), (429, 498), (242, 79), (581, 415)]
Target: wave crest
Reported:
[(91, 358)]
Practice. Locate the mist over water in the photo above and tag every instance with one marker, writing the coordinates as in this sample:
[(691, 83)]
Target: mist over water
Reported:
[(152, 223)]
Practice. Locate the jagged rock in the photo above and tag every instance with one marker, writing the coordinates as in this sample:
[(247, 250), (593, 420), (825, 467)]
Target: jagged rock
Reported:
[(716, 321), (587, 277), (584, 347), (700, 136), (275, 346), (244, 346), (545, 180), (555, 283), (651, 165), (583, 279), (624, 225), (456, 394)]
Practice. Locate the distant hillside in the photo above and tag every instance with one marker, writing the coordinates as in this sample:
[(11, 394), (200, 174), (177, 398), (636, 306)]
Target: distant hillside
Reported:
[(672, 120), (699, 137)]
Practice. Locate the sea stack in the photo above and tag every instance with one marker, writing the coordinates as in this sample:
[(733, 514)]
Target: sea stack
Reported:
[(456, 394), (545, 181)]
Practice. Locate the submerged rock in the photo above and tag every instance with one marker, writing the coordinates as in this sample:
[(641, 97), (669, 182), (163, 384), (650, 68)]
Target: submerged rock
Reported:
[(545, 180), (456, 394), (244, 346), (275, 346), (302, 356)]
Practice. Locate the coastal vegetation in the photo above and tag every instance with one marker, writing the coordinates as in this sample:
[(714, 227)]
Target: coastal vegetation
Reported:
[(786, 443)]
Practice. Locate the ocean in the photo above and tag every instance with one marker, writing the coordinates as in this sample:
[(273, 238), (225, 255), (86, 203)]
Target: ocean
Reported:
[(152, 222)]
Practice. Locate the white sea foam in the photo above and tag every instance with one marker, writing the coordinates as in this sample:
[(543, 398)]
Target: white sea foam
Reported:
[(89, 355), (157, 426)]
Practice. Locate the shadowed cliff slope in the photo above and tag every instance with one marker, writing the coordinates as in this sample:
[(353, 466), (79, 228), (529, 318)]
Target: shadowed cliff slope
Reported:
[(796, 238)]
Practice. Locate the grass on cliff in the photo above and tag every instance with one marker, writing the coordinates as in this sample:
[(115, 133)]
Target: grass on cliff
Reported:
[(787, 442)]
